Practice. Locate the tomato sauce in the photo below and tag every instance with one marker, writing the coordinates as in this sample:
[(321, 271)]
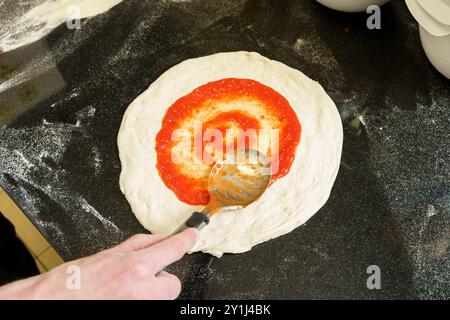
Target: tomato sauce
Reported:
[(225, 104)]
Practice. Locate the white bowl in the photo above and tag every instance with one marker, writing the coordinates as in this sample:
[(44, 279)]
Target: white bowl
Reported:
[(351, 5), (437, 50), (434, 32)]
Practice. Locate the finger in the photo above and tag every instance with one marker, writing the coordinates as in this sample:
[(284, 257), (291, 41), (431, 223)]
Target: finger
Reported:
[(139, 242), (170, 250), (168, 285)]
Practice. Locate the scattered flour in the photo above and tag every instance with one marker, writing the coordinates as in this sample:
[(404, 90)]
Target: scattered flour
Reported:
[(97, 160), (39, 20), (315, 51), (34, 156), (415, 174), (90, 209), (431, 211)]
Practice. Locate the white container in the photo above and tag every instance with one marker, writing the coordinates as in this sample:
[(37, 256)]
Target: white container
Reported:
[(433, 17), (351, 5)]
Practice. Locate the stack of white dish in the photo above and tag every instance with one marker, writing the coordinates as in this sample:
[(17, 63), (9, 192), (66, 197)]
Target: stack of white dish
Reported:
[(433, 17)]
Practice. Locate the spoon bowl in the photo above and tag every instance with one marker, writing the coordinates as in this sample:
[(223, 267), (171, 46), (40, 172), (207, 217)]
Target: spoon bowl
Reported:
[(234, 182), (238, 180)]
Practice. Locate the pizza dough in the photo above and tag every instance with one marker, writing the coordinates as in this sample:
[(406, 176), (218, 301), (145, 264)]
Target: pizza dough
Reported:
[(288, 203)]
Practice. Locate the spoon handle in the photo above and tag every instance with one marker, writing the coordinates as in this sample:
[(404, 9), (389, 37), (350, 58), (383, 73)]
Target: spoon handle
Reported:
[(197, 220)]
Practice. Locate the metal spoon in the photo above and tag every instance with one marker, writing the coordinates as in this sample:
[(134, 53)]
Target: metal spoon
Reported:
[(234, 183)]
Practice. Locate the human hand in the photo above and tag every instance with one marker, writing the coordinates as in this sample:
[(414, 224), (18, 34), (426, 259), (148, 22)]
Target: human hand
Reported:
[(131, 270)]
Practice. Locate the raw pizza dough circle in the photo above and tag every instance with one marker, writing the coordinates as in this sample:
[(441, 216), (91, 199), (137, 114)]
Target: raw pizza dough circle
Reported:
[(287, 204)]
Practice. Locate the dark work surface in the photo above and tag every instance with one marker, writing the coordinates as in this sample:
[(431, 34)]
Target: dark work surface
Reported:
[(62, 104)]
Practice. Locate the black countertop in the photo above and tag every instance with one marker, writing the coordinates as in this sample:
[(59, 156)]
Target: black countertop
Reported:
[(62, 100)]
